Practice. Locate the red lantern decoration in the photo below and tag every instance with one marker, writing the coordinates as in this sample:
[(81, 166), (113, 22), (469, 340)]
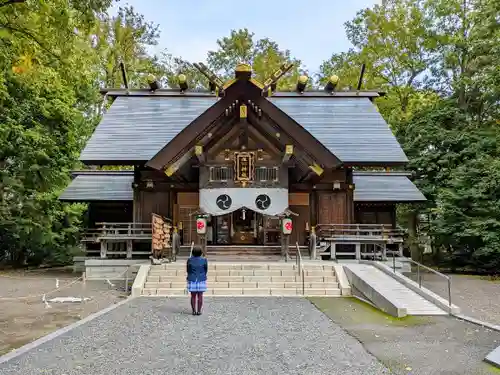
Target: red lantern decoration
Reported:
[(201, 225), (287, 226)]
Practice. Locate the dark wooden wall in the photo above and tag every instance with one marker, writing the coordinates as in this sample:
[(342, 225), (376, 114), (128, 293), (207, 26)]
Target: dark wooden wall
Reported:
[(149, 202), (111, 212), (373, 213)]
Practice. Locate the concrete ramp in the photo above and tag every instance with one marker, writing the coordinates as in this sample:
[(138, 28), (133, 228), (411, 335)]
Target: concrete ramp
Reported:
[(494, 357), (388, 294)]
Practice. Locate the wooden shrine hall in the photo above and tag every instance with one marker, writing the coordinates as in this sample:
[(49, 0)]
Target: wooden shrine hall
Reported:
[(244, 155)]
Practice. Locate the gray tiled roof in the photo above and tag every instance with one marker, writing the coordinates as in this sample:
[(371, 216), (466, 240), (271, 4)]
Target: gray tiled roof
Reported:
[(100, 186), (351, 128), (137, 128), (117, 186), (381, 187)]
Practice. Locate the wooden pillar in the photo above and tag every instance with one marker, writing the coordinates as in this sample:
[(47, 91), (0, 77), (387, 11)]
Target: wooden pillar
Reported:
[(129, 249), (333, 250), (358, 251), (104, 249), (384, 251), (313, 204)]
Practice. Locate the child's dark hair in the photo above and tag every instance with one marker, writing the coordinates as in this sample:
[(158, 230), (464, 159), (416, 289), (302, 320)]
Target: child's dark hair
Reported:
[(197, 251)]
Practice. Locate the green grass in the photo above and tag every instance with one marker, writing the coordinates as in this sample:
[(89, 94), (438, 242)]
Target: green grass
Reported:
[(353, 311)]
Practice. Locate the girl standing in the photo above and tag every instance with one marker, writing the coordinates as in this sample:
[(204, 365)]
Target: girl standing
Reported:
[(197, 268)]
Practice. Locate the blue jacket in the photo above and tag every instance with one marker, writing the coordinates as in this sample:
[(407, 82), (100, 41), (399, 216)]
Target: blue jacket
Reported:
[(197, 268)]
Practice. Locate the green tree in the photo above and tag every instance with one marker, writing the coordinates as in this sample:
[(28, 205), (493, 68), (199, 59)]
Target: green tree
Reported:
[(48, 94), (125, 38), (264, 55)]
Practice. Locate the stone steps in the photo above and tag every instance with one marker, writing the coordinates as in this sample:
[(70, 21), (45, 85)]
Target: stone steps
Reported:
[(249, 279), (245, 292)]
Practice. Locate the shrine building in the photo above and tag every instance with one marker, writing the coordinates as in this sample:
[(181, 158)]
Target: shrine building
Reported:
[(245, 156)]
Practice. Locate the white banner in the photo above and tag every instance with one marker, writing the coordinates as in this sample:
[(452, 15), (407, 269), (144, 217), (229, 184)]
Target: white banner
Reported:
[(224, 201)]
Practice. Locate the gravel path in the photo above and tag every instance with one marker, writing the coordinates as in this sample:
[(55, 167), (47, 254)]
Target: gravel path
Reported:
[(477, 297), (235, 336)]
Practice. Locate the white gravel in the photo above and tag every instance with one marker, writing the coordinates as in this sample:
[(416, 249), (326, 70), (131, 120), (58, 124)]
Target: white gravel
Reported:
[(234, 336)]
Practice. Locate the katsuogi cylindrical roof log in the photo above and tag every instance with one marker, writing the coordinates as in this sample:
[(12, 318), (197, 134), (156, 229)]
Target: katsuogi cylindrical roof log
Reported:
[(302, 83), (332, 83), (182, 79), (153, 83), (243, 71)]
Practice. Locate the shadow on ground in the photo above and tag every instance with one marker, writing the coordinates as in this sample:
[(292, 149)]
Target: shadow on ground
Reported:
[(415, 345)]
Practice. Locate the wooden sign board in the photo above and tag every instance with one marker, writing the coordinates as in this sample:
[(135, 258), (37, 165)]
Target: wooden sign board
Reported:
[(161, 232)]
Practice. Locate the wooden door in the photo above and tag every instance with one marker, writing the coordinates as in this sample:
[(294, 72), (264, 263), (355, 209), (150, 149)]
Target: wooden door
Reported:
[(332, 208)]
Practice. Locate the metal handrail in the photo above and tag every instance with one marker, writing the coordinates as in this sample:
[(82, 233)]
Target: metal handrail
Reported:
[(300, 266), (419, 274)]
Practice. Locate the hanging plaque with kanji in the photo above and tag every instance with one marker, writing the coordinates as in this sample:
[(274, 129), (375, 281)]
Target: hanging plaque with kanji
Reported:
[(244, 166)]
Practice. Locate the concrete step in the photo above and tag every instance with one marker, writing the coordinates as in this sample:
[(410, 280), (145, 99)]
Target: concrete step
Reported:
[(244, 285), (245, 266), (245, 292), (223, 278), (287, 272)]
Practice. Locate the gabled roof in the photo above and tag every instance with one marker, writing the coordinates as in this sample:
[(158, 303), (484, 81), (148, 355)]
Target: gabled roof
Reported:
[(350, 127), (136, 128), (100, 186), (385, 187)]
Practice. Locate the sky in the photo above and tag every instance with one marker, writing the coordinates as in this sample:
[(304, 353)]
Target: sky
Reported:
[(312, 30)]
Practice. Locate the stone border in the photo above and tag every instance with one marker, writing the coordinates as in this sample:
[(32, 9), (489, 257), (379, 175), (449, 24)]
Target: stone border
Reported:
[(478, 322), (345, 287), (140, 280), (248, 296), (44, 339)]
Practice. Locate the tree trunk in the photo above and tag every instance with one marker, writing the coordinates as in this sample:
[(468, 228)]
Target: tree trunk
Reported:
[(413, 236)]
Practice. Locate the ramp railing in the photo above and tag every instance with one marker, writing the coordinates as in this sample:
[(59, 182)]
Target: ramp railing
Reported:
[(419, 276), (300, 266)]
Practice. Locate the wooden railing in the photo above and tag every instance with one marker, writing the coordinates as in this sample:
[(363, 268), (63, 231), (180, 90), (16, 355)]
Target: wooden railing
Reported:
[(116, 239), (118, 231), (360, 232)]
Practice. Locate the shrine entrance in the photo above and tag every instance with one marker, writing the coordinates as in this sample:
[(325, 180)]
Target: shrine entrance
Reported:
[(244, 227)]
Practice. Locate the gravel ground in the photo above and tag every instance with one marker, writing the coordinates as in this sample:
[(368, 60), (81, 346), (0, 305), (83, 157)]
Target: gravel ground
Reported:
[(24, 317), (234, 336), (438, 345), (477, 297)]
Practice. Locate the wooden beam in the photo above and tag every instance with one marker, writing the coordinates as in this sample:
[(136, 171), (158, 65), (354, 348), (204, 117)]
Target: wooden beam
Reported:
[(264, 141), (196, 130), (220, 139), (174, 167), (288, 153), (264, 126), (198, 151), (282, 70), (316, 169)]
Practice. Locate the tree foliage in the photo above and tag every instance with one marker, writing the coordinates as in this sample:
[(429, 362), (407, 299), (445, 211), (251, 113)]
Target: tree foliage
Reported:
[(264, 55), (438, 61)]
